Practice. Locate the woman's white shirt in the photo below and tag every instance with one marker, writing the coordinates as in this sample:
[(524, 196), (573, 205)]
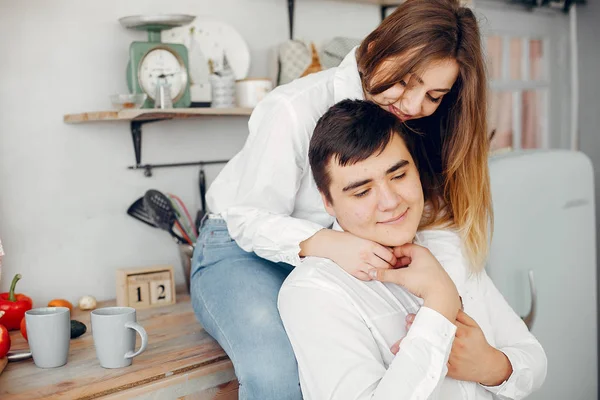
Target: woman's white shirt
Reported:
[(342, 329), (266, 193)]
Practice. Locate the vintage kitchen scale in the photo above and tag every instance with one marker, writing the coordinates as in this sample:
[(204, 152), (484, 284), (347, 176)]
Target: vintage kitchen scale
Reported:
[(153, 62)]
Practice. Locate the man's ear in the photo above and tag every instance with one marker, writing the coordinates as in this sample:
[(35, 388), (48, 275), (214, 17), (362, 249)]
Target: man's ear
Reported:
[(328, 205)]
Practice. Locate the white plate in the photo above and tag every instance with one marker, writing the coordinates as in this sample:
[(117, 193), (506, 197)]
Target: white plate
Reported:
[(169, 20), (215, 39)]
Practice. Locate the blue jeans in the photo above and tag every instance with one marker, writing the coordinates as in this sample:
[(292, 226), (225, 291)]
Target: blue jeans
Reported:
[(234, 295)]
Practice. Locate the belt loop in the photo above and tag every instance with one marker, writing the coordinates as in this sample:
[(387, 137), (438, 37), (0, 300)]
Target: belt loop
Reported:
[(204, 218)]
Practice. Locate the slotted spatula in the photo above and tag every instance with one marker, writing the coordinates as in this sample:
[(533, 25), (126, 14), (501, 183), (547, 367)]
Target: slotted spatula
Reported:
[(161, 212), (138, 211)]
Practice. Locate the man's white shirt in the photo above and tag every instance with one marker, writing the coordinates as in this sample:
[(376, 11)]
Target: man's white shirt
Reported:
[(342, 330)]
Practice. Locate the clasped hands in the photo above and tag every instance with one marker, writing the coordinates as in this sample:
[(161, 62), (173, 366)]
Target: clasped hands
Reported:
[(471, 358)]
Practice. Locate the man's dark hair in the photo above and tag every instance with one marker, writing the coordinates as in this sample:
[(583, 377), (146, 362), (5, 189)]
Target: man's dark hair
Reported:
[(352, 131)]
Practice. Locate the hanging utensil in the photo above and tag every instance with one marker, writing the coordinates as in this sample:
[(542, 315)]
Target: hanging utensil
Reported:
[(202, 188), (138, 211), (182, 220), (161, 212), (183, 212)]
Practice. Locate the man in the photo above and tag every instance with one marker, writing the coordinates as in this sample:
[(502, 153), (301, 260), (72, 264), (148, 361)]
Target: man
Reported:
[(341, 328)]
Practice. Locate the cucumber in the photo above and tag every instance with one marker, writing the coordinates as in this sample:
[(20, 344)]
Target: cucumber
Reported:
[(77, 328)]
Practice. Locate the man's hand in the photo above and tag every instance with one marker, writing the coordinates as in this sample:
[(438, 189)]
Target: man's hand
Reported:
[(473, 359)]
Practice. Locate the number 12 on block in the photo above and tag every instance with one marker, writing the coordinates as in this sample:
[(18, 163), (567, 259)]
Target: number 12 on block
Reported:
[(145, 287)]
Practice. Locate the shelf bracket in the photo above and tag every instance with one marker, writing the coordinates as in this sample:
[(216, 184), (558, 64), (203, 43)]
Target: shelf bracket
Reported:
[(136, 136), (291, 7)]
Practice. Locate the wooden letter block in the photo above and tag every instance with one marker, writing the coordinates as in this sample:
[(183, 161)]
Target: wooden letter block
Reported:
[(146, 287)]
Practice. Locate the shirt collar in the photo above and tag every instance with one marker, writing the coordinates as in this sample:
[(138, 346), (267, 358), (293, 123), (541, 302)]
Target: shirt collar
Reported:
[(336, 226), (346, 83)]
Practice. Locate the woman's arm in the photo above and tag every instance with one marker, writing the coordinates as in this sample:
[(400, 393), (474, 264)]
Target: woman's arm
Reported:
[(355, 255), (338, 356), (275, 155)]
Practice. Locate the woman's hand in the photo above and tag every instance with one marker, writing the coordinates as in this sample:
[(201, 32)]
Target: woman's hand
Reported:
[(355, 255), (473, 359), (424, 277)]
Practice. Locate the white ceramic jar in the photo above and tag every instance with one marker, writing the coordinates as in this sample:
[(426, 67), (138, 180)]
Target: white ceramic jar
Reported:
[(249, 91)]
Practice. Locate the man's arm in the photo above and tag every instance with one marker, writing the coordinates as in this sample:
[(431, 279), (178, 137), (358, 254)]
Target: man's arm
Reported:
[(339, 357)]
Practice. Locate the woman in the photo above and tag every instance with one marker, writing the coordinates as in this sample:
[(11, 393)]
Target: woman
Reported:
[(424, 64)]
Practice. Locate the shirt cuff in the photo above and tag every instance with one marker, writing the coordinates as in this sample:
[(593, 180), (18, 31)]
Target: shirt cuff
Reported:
[(433, 327), (287, 247), (518, 384)]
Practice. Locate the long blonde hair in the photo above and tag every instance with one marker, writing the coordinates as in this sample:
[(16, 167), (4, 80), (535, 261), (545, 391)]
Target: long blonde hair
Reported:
[(455, 136)]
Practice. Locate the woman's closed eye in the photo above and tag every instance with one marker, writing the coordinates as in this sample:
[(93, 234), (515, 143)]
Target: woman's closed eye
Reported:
[(434, 99), (398, 177)]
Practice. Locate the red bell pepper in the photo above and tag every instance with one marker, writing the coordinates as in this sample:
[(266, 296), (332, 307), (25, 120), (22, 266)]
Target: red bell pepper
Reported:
[(14, 306), (4, 338)]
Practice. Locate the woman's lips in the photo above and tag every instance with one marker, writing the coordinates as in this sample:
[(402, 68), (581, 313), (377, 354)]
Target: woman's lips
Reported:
[(394, 110), (395, 220)]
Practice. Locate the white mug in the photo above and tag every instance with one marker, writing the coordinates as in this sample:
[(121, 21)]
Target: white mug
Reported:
[(49, 335), (113, 330), (248, 92)]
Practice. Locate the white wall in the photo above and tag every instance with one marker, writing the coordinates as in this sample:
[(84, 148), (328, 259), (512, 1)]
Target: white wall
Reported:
[(64, 189), (589, 87), (588, 33)]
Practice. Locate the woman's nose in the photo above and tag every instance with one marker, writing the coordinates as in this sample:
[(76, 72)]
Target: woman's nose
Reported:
[(410, 103)]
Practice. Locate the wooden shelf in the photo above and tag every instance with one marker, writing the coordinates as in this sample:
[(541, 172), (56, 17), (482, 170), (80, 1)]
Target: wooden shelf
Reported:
[(152, 114), (139, 117)]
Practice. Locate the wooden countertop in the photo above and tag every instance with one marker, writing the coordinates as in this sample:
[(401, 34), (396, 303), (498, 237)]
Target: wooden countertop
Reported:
[(177, 345)]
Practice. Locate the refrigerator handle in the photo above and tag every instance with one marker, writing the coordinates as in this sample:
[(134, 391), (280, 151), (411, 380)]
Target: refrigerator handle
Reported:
[(530, 318)]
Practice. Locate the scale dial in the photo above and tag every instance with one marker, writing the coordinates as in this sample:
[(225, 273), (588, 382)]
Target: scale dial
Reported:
[(162, 61)]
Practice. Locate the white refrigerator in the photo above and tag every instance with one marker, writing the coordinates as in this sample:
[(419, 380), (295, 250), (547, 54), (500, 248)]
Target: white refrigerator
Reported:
[(545, 223)]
